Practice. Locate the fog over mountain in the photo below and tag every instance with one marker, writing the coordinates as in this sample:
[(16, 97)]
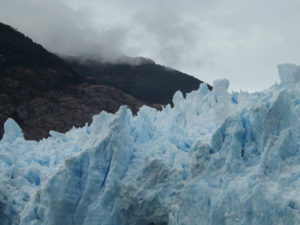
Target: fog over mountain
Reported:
[(98, 125), (43, 92), (234, 39)]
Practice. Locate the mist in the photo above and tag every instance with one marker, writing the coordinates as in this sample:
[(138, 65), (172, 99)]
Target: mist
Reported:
[(242, 41)]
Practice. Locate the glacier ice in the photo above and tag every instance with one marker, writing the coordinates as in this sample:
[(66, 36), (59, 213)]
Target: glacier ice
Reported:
[(214, 158)]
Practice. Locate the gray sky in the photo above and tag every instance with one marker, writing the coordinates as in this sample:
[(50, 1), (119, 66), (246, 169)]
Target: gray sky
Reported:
[(242, 41)]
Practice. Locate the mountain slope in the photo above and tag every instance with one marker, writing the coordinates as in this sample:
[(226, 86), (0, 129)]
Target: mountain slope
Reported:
[(42, 92), (147, 81)]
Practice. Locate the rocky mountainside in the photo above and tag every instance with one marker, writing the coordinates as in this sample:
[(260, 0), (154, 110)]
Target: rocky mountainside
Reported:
[(141, 78), (42, 92)]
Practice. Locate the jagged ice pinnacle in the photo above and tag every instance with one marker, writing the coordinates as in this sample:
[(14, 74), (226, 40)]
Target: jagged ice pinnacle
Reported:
[(214, 158)]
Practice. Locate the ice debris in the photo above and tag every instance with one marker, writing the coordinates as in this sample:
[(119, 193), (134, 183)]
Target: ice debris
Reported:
[(214, 158)]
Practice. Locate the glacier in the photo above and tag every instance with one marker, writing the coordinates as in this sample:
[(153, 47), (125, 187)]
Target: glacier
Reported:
[(214, 158)]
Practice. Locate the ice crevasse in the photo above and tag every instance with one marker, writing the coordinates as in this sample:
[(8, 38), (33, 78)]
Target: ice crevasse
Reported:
[(214, 158)]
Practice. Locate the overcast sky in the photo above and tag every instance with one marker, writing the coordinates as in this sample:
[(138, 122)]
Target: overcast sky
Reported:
[(242, 41)]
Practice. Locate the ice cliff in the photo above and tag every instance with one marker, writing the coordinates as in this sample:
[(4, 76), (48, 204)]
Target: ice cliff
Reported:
[(214, 158)]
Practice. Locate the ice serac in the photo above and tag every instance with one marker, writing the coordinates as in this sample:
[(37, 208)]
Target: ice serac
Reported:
[(289, 73), (214, 158), (12, 131)]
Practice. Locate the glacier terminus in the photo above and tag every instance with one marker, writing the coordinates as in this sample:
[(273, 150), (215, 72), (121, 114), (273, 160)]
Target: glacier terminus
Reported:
[(214, 158)]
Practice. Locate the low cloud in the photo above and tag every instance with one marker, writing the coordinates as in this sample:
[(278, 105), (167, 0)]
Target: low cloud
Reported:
[(239, 40), (63, 30)]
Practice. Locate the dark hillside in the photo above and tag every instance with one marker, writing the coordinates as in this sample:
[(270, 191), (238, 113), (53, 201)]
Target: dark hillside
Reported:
[(16, 48), (149, 82), (42, 92)]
